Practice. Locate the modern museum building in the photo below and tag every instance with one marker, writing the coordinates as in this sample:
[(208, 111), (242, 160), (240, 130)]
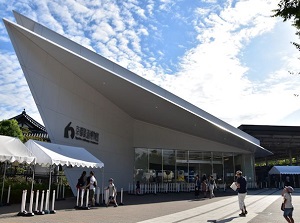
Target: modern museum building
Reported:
[(140, 131)]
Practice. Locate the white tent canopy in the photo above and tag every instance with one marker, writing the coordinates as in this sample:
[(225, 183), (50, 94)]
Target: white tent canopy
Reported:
[(13, 150), (285, 170), (49, 154), (55, 154)]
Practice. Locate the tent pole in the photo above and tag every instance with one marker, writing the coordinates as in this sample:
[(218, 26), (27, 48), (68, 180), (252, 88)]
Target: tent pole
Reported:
[(50, 178), (3, 182), (102, 185), (33, 175), (280, 181)]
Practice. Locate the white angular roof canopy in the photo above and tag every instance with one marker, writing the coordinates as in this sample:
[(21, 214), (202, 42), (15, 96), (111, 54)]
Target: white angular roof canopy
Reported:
[(139, 98)]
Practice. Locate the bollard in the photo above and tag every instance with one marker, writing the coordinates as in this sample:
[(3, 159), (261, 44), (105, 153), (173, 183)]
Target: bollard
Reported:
[(30, 213), (77, 199), (87, 198), (46, 210), (52, 211), (41, 211), (80, 193), (121, 203), (8, 195), (106, 196), (23, 202), (98, 196), (36, 201), (81, 197)]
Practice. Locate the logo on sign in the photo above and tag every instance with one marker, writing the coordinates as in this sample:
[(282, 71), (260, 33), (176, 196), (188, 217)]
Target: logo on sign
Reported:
[(81, 133)]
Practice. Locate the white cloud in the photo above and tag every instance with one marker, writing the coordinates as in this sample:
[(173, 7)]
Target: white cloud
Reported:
[(211, 73), (14, 92), (213, 78)]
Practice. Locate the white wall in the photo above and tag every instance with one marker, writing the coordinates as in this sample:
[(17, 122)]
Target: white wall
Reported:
[(63, 97)]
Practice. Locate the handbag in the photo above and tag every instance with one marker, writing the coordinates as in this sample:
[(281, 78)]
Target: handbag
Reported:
[(282, 207)]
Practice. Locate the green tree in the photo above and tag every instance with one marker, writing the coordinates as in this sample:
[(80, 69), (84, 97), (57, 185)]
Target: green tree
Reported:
[(11, 128), (290, 10)]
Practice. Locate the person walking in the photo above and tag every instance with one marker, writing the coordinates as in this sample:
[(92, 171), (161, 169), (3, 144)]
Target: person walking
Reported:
[(138, 188), (287, 206), (241, 184), (92, 184), (197, 186), (204, 185), (112, 193), (211, 186)]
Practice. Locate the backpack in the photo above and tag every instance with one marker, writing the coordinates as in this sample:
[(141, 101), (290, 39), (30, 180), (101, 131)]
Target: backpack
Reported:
[(80, 182)]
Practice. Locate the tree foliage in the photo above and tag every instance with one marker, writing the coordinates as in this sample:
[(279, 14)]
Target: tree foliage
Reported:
[(290, 10), (11, 128)]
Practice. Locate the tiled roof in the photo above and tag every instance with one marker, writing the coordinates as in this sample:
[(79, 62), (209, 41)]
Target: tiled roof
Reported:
[(35, 128)]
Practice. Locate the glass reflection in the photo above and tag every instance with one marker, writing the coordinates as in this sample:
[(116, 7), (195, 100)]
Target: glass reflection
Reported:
[(166, 166)]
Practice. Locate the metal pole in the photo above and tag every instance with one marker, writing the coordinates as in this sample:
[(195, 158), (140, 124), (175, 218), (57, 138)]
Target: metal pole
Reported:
[(50, 173), (33, 174), (3, 181)]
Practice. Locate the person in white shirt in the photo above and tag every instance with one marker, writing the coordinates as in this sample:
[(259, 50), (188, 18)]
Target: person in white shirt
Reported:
[(92, 184), (112, 193), (287, 204)]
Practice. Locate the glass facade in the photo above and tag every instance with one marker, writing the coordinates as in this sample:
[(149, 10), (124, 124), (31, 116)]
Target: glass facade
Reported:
[(173, 166)]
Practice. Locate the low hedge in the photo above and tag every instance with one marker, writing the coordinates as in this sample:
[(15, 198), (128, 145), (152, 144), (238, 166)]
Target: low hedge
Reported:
[(18, 186)]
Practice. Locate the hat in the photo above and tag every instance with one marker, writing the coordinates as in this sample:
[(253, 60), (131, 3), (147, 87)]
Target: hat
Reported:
[(289, 189), (238, 172)]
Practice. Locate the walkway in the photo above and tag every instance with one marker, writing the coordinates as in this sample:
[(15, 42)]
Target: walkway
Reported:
[(263, 207)]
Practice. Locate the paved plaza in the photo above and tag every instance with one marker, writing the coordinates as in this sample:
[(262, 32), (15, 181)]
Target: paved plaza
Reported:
[(263, 206)]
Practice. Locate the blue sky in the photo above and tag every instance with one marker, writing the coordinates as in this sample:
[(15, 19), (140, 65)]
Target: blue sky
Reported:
[(229, 58)]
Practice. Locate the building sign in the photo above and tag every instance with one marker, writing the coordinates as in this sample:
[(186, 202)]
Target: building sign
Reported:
[(81, 133)]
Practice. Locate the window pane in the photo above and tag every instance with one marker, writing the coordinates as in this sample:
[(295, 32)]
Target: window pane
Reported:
[(141, 164), (169, 165), (155, 165)]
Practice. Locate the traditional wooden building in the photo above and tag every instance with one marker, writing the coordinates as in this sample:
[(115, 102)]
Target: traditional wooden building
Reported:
[(31, 127)]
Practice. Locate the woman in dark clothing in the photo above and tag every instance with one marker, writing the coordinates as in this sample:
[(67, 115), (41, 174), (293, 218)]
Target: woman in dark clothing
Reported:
[(204, 185), (197, 186)]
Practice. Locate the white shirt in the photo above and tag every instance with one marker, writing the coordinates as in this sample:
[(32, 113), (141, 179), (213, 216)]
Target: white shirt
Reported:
[(92, 180), (288, 198), (111, 189)]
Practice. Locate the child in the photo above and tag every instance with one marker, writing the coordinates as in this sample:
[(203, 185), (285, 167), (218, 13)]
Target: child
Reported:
[(287, 204), (112, 193), (138, 188)]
